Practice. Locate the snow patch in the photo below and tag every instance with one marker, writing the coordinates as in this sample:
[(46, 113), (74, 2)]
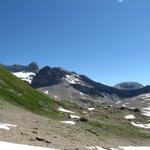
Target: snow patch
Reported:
[(145, 96), (90, 109), (135, 148), (73, 79), (65, 110), (25, 76), (55, 96), (46, 92), (68, 122), (84, 112), (81, 93), (130, 117), (120, 148), (12, 146), (74, 117), (146, 111), (140, 125), (118, 102), (124, 105), (5, 126), (70, 79)]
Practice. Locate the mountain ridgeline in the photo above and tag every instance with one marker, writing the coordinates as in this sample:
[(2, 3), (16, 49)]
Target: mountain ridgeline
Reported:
[(63, 84), (80, 87)]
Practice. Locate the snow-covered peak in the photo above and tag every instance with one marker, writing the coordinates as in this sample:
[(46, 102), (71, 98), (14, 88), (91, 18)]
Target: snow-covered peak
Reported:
[(25, 76)]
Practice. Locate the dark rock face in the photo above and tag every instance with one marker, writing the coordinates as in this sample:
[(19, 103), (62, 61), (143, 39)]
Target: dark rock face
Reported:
[(49, 76), (54, 76), (128, 86), (98, 90), (32, 67)]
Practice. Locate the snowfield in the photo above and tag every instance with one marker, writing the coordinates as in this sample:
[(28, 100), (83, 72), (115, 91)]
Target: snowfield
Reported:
[(25, 76), (12, 146), (120, 148)]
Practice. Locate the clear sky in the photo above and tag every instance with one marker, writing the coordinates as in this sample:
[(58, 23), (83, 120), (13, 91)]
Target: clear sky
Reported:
[(107, 40)]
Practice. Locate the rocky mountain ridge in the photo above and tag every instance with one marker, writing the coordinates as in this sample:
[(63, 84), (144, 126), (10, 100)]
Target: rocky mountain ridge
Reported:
[(62, 84)]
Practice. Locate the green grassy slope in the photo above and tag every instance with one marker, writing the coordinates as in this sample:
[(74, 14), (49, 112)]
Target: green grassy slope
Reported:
[(21, 94)]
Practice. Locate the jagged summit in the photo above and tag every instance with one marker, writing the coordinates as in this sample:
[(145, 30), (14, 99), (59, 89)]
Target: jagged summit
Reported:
[(48, 76)]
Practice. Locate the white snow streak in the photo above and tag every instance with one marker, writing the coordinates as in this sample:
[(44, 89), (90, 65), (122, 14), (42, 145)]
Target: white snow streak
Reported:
[(118, 102), (120, 148), (65, 110), (5, 126), (95, 148), (68, 122), (140, 125), (46, 92), (25, 76), (74, 117), (12, 146), (146, 111)]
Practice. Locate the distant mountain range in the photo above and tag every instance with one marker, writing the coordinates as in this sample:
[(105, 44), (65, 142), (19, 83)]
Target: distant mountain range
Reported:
[(62, 84), (32, 67)]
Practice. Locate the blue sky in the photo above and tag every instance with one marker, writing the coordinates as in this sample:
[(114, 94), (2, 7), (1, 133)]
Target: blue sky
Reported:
[(107, 40)]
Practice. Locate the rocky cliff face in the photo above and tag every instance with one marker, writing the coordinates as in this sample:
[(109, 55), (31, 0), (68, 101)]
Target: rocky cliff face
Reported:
[(48, 77)]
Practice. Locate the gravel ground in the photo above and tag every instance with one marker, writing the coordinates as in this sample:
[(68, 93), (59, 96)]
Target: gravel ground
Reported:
[(40, 131)]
